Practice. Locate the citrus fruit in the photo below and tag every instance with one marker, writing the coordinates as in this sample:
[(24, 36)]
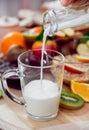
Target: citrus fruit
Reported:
[(32, 33), (13, 38), (84, 59), (82, 89)]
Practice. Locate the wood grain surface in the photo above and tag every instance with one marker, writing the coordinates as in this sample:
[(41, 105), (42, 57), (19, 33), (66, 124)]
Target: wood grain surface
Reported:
[(14, 116)]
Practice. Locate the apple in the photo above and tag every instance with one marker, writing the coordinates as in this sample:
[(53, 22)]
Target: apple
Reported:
[(73, 69), (83, 49), (37, 46), (63, 33), (52, 45), (69, 32), (59, 35)]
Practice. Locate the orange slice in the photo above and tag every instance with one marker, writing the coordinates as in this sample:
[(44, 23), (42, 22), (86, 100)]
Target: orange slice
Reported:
[(84, 59), (82, 89)]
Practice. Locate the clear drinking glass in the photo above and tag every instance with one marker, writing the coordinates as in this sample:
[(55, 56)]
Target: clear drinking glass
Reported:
[(40, 97), (65, 17)]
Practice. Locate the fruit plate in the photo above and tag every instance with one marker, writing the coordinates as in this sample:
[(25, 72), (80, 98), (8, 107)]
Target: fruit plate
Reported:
[(73, 70)]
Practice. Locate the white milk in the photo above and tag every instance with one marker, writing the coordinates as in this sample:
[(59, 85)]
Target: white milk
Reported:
[(41, 100), (43, 51)]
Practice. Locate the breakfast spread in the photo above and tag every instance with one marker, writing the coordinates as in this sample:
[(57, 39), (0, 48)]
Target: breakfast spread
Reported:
[(73, 43), (64, 93)]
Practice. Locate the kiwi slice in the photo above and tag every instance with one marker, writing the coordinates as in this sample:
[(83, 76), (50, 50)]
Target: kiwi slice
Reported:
[(1, 93), (70, 100)]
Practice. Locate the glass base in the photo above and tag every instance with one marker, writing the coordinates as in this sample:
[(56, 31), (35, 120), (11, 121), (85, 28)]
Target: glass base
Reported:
[(45, 118)]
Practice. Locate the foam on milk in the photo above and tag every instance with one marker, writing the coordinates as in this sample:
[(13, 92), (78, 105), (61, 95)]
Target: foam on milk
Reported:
[(41, 100)]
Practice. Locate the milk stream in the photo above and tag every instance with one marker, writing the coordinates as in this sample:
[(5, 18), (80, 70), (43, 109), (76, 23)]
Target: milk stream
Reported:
[(46, 32)]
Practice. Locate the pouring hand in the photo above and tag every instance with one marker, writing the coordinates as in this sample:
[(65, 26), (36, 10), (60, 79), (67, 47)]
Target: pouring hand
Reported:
[(78, 4)]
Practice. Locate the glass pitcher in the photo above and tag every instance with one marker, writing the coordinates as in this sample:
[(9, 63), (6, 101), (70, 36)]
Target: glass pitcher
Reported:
[(66, 17)]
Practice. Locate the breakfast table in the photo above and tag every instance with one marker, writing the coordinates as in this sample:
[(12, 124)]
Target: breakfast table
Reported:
[(14, 117)]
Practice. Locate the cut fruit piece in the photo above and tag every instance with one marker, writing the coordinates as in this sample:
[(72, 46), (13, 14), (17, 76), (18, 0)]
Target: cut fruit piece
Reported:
[(29, 37), (59, 34), (82, 89), (36, 30), (83, 49), (73, 69), (70, 100), (87, 43), (1, 93), (84, 59), (69, 31), (32, 33)]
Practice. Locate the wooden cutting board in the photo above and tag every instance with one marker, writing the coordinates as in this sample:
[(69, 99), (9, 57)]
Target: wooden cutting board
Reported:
[(13, 116)]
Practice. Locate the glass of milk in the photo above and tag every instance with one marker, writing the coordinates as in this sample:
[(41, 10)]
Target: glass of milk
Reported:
[(41, 84)]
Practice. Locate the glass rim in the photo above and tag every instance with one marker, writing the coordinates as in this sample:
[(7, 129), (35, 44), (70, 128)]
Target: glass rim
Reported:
[(61, 61)]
